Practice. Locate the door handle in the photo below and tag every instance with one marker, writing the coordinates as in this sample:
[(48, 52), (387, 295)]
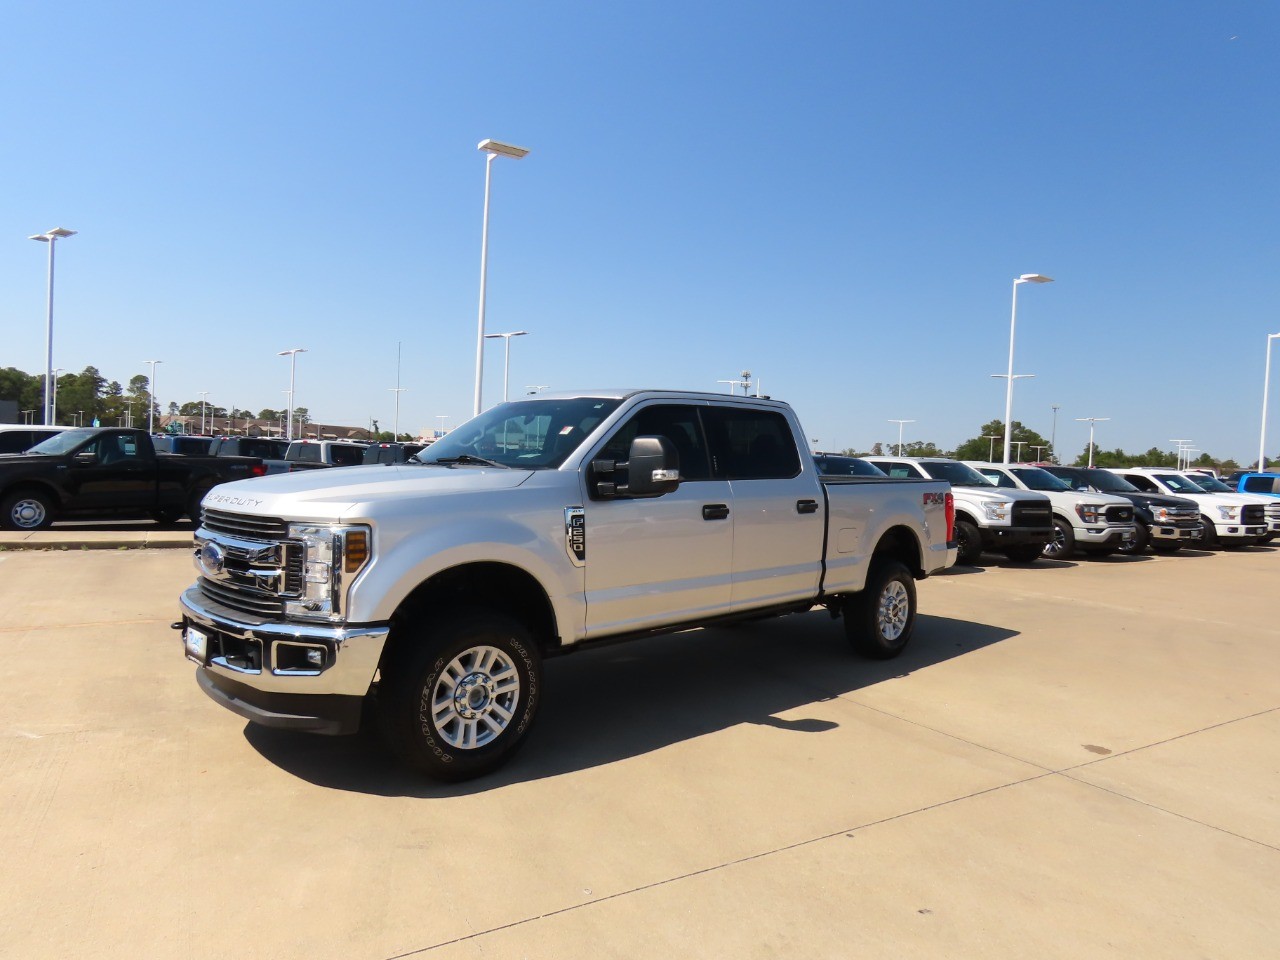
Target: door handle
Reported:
[(715, 511), (806, 506)]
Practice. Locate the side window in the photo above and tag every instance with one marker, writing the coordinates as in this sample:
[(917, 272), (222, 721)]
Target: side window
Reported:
[(999, 478), (679, 424), (1142, 483), (899, 470), (751, 444), (346, 456)]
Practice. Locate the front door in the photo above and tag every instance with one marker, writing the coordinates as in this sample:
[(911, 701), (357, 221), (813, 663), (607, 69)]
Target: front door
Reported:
[(660, 560)]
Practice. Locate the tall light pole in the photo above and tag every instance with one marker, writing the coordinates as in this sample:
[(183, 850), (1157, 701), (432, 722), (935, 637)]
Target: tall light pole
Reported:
[(293, 370), (1037, 448), (506, 364), (991, 446), (1091, 421), (1053, 434), (1181, 444), (151, 392), (51, 238), (900, 424), (442, 417), (1018, 455), (55, 393), (732, 384), (204, 402), (397, 390), (494, 149), (1266, 384), (1013, 325)]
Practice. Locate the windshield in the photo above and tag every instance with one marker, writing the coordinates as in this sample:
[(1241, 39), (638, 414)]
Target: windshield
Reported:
[(1037, 479), (1178, 483), (1212, 484), (64, 442), (528, 434), (955, 473), (1107, 482)]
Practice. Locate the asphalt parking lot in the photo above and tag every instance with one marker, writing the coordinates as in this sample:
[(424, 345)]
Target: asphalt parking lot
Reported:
[(1071, 760)]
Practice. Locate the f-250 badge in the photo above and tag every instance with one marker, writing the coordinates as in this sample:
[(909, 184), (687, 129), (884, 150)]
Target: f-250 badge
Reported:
[(575, 535)]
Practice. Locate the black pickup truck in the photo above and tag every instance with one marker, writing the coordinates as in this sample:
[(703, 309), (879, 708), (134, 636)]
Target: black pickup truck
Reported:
[(106, 472)]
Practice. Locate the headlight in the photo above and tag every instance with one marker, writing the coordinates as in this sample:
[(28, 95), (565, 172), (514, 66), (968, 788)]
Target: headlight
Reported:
[(1160, 514), (331, 557), (1228, 513), (997, 509), (1089, 512)]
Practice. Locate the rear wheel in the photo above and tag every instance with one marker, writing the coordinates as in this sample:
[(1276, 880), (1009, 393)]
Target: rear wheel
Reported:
[(968, 542), (26, 510), (459, 702), (880, 620)]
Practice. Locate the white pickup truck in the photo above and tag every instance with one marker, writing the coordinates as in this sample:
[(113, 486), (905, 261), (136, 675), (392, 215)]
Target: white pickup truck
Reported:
[(1003, 520), (1096, 523), (538, 528)]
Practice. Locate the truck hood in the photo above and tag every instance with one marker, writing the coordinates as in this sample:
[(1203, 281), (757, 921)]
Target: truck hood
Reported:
[(979, 494), (328, 495)]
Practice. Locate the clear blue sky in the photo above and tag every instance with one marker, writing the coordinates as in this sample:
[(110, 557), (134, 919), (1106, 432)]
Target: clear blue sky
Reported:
[(833, 196)]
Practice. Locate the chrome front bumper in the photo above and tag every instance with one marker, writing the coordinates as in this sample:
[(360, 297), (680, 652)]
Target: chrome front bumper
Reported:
[(297, 676)]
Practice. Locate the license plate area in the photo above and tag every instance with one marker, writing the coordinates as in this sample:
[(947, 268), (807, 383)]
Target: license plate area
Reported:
[(196, 645)]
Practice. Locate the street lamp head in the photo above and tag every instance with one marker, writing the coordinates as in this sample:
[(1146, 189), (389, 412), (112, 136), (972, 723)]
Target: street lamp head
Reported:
[(514, 333), (502, 149), (286, 353), (56, 233), (1034, 278)]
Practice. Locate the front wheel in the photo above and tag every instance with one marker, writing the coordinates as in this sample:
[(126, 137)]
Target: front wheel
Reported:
[(1208, 535), (879, 621), (26, 510), (459, 703), (1025, 553), (968, 542), (1138, 542), (1063, 542), (1166, 546)]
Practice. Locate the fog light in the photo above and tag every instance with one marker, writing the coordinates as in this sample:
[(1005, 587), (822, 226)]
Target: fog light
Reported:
[(291, 657)]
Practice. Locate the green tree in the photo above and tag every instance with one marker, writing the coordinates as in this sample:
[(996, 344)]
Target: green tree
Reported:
[(922, 448), (982, 446)]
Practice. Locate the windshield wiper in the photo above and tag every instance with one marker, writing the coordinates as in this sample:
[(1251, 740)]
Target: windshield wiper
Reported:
[(468, 458)]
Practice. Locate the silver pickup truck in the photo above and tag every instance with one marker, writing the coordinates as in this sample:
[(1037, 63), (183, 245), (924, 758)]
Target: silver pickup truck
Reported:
[(437, 588)]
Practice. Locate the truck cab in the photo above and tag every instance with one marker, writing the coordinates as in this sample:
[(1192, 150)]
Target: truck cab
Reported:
[(1096, 523)]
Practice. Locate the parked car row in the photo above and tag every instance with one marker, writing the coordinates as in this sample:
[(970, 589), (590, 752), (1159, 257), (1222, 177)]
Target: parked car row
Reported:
[(1028, 511)]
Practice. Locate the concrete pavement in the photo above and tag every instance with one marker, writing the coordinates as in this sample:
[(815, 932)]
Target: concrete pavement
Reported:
[(128, 535), (1071, 760)]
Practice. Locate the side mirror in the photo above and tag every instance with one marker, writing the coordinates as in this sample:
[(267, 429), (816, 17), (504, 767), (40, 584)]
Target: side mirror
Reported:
[(652, 469), (86, 458)]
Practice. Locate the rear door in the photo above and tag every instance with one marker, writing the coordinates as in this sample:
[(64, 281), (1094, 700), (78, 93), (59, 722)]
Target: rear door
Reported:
[(659, 560), (779, 514)]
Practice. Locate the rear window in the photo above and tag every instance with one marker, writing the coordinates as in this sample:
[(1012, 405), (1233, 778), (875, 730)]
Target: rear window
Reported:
[(1262, 485), (304, 453), (346, 456)]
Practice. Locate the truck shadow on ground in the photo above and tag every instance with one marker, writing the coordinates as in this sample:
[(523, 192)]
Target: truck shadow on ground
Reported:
[(611, 703)]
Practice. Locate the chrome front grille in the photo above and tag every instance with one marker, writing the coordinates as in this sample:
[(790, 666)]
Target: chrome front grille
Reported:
[(1273, 510), (240, 599), (246, 563), (249, 528)]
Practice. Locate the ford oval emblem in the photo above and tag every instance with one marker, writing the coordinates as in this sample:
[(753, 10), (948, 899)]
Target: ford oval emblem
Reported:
[(212, 558)]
